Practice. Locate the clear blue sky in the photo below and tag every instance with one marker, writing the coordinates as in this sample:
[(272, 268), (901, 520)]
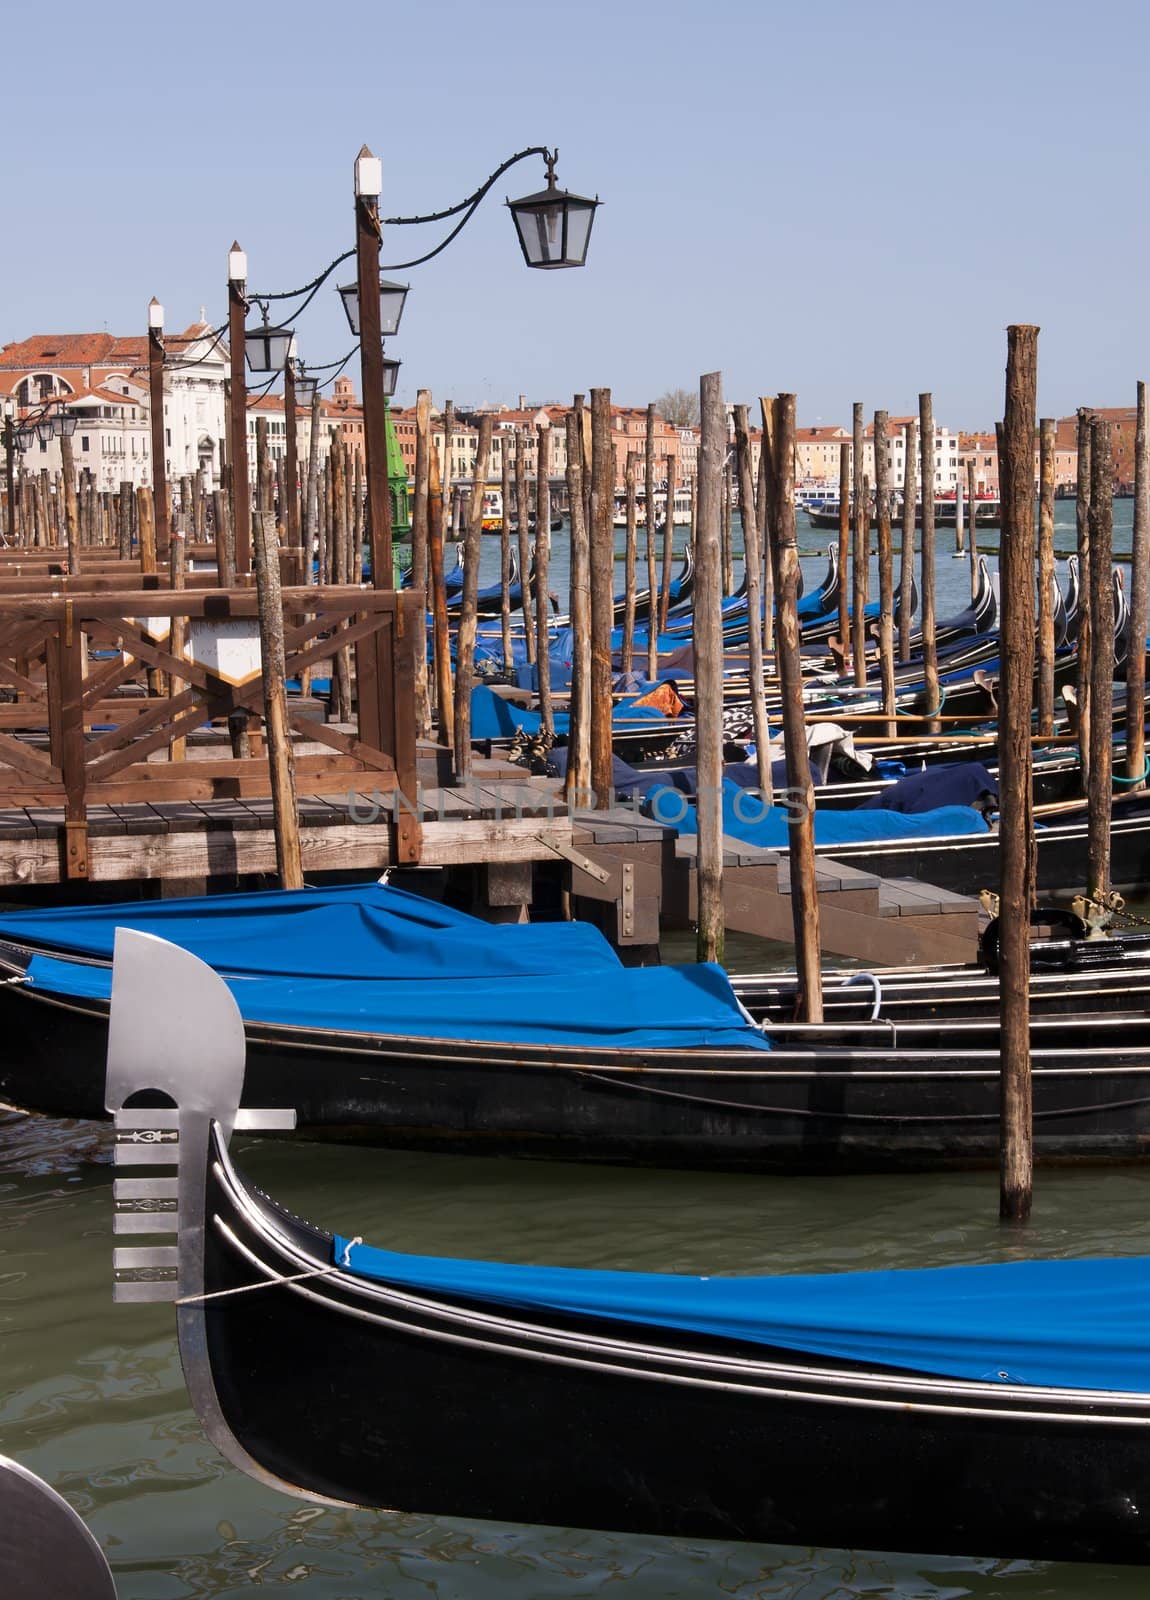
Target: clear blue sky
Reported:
[(846, 200)]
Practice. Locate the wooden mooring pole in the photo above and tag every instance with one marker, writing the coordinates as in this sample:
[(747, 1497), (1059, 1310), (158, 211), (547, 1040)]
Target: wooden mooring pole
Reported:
[(578, 783), (753, 560), (885, 572), (1084, 640), (505, 556), (972, 514), (652, 571), (281, 760), (906, 554), (629, 553), (543, 574), (420, 551), (1046, 437), (860, 564), (1100, 793), (708, 644), (602, 593), (844, 554), (778, 452), (1139, 605), (468, 619), (1016, 796), (523, 534), (440, 636), (929, 641)]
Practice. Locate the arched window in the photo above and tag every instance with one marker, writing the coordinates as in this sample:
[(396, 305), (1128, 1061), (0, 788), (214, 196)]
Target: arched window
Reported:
[(40, 386)]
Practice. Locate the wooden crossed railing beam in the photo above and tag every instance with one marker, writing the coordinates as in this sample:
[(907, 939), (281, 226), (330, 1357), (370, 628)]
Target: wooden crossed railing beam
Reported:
[(70, 735)]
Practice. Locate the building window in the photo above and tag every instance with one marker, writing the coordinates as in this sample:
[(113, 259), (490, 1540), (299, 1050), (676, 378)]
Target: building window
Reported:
[(85, 442), (168, 437)]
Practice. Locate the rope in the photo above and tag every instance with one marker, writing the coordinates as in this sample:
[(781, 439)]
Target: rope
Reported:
[(1142, 779), (924, 716), (276, 1280)]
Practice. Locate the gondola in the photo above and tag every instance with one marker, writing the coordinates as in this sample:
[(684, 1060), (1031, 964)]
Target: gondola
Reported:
[(663, 1066), (995, 1410), (682, 587)]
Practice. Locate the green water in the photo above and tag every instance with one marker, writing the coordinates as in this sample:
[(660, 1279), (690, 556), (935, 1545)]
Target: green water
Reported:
[(91, 1395), (952, 574)]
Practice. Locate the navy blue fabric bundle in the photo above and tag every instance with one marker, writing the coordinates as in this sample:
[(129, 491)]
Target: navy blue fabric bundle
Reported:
[(964, 783)]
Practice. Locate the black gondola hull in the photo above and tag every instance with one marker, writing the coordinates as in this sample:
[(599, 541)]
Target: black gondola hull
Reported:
[(421, 1404), (834, 1108)]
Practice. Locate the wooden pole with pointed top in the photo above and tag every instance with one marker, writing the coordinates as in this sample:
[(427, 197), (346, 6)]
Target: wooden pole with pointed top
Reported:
[(708, 645), (1015, 753)]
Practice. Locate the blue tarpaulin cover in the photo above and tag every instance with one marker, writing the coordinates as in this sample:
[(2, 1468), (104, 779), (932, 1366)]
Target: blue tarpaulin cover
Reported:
[(361, 930), (746, 817), (640, 1008), (1061, 1324)]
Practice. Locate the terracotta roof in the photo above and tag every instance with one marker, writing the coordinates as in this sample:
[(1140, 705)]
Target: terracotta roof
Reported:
[(105, 396)]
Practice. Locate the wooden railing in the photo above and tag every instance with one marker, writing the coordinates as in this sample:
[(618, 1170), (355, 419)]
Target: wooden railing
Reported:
[(97, 703)]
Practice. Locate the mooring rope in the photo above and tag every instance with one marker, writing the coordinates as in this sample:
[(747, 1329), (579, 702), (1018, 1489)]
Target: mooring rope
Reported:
[(276, 1280)]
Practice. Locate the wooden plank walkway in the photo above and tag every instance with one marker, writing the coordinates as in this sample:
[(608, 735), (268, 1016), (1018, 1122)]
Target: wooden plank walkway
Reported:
[(498, 818), (877, 920)]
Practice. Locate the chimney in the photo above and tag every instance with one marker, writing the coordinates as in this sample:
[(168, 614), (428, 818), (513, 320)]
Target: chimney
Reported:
[(522, 402)]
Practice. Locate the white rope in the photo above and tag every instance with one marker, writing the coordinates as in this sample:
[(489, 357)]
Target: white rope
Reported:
[(276, 1280)]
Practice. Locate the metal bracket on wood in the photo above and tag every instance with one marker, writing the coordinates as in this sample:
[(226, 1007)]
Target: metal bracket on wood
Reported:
[(76, 849), (576, 858), (627, 899)]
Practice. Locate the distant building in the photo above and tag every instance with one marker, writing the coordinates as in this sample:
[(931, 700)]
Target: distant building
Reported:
[(1123, 421), (817, 455), (103, 379)]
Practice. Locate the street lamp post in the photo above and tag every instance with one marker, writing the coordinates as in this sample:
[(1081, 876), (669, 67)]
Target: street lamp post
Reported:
[(10, 466), (161, 513), (238, 409), (368, 187), (291, 459)]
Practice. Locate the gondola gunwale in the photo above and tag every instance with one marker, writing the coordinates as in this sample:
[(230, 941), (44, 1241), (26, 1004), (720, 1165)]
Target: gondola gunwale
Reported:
[(673, 1062), (1014, 1402)]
